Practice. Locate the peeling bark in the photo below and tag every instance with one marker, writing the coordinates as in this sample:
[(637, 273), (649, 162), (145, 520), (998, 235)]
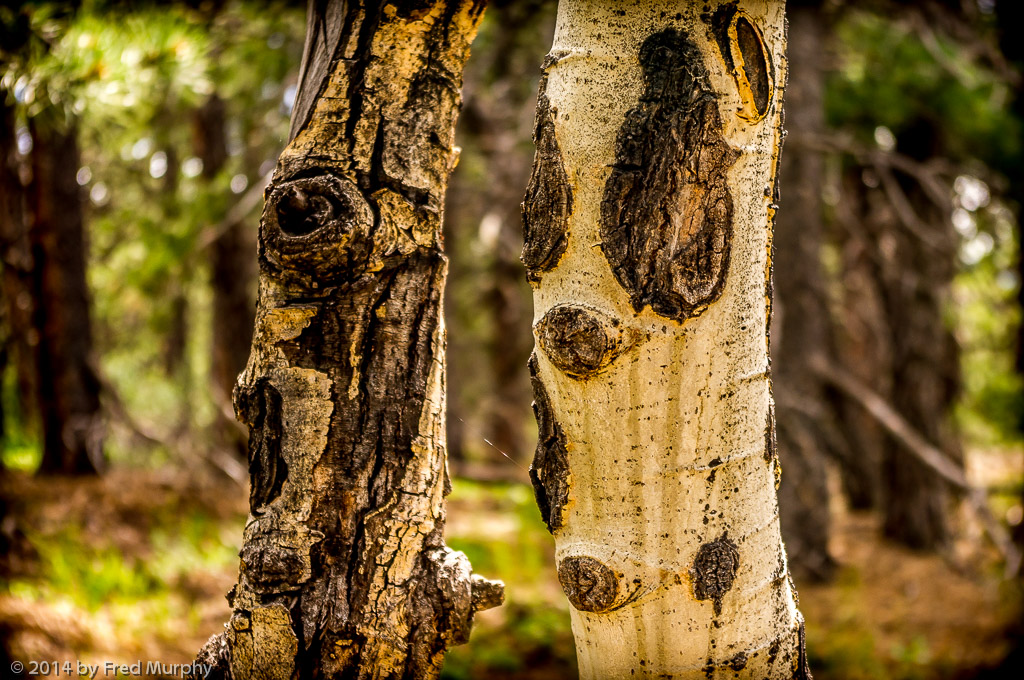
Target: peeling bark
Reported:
[(344, 571), (651, 372)]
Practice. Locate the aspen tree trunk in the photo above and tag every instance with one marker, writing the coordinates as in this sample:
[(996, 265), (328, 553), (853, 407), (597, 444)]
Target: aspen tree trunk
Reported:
[(648, 234), (67, 389), (344, 571)]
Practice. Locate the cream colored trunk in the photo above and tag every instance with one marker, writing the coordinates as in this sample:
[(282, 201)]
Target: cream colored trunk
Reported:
[(656, 468)]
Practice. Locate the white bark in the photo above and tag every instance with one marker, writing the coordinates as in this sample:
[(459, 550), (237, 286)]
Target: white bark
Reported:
[(671, 471)]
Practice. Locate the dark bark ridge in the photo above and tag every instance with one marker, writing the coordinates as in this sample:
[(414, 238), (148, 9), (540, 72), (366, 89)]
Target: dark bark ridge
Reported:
[(549, 198), (550, 469), (666, 215), (344, 571)]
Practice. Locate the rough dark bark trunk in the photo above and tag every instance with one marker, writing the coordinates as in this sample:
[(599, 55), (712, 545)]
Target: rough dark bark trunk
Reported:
[(1008, 15), (863, 345), (800, 319), (926, 361), (16, 262), (344, 571), (67, 388), (231, 274)]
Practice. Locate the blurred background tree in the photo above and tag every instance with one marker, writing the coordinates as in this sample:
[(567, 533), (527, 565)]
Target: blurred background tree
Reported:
[(897, 261)]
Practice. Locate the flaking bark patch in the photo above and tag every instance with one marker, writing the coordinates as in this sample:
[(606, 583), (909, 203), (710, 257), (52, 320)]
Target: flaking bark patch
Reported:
[(589, 585), (548, 202), (714, 570), (667, 211), (550, 470)]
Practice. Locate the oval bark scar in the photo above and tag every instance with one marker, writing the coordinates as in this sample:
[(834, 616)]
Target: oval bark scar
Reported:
[(589, 585), (548, 201), (747, 58), (581, 342), (714, 570), (666, 213)]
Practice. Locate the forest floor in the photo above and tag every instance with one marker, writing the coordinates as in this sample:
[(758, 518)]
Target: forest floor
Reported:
[(134, 566)]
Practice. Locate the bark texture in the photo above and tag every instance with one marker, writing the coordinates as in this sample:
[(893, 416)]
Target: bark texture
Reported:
[(67, 389), (656, 468), (344, 571), (800, 323)]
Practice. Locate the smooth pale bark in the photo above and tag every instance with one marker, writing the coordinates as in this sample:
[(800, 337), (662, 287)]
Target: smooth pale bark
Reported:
[(648, 234), (344, 571)]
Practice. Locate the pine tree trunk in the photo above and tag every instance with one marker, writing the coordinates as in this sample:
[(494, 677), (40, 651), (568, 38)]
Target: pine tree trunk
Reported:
[(231, 274), (863, 344), (917, 274), (16, 263), (66, 386), (344, 571), (800, 320), (648, 228)]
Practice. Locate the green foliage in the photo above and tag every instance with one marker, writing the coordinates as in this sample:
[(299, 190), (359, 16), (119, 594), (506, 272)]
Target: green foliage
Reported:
[(891, 75), (500, 529), (132, 81), (94, 575)]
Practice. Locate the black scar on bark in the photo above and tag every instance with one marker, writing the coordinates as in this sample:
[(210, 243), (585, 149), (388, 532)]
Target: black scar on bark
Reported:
[(770, 442), (803, 670), (550, 470), (589, 585), (738, 662), (758, 68), (714, 570), (577, 341), (549, 200), (667, 211), (261, 411)]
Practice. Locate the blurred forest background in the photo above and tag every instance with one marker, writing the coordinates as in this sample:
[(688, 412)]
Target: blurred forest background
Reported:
[(135, 142)]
